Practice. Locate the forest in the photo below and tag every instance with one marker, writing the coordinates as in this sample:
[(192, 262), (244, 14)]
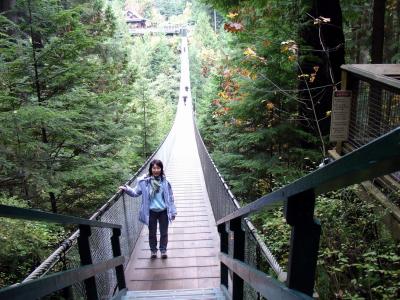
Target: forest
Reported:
[(83, 104)]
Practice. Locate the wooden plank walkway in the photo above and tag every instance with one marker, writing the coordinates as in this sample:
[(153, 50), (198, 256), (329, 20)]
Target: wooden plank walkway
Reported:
[(193, 238)]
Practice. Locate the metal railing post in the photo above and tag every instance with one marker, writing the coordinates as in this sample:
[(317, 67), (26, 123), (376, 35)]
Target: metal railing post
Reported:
[(116, 248), (238, 253), (86, 259), (224, 249), (304, 241)]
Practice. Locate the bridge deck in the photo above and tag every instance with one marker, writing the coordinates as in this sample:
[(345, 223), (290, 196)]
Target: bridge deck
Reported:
[(193, 238)]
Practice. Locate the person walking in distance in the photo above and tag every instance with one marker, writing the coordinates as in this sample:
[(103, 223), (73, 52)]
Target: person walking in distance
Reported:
[(157, 205)]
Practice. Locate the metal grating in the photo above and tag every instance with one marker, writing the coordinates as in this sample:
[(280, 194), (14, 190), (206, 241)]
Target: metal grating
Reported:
[(374, 112)]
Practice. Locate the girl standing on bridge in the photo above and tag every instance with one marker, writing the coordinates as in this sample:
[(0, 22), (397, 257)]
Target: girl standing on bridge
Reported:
[(157, 205)]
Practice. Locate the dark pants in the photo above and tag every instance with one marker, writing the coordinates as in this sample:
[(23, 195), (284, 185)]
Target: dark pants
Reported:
[(162, 219)]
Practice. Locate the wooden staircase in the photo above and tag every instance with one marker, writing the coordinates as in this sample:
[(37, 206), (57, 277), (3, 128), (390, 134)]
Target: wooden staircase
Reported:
[(185, 294)]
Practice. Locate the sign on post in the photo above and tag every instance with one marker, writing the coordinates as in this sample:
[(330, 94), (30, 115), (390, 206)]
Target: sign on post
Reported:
[(340, 116)]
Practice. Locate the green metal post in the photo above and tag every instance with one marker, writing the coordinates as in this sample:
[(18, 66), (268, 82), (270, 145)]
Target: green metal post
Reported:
[(304, 242), (238, 253), (116, 248), (86, 259), (224, 249)]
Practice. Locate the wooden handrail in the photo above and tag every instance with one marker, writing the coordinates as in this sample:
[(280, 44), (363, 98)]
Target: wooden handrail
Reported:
[(376, 73), (41, 287), (34, 215), (267, 286), (379, 157)]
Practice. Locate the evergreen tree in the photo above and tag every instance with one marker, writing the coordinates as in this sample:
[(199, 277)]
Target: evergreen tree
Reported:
[(58, 102)]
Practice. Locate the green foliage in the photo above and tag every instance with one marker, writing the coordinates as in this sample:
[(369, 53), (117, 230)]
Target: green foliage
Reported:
[(275, 231), (27, 242), (357, 17), (72, 111), (246, 108), (61, 114), (245, 86), (74, 87), (170, 8), (358, 258)]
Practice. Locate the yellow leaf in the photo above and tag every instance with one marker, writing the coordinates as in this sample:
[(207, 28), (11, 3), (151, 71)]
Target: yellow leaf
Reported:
[(249, 52), (303, 76), (232, 15), (266, 43), (289, 45), (245, 72), (328, 113)]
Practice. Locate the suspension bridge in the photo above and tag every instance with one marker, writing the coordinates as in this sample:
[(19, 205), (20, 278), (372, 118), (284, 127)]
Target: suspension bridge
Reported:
[(214, 251)]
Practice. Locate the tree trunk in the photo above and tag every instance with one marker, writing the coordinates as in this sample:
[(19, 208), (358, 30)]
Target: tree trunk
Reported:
[(375, 93), (53, 202), (36, 44), (5, 7), (328, 41), (378, 31)]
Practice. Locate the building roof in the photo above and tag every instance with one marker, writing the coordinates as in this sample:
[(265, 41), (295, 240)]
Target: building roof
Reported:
[(133, 17)]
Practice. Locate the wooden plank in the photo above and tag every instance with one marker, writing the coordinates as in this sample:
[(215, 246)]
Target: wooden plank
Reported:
[(173, 273), (173, 284)]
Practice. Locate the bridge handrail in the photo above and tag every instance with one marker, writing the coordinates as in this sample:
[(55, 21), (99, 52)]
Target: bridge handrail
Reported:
[(250, 227), (52, 283), (379, 157), (38, 288), (35, 215), (370, 73), (53, 258), (111, 208), (266, 285)]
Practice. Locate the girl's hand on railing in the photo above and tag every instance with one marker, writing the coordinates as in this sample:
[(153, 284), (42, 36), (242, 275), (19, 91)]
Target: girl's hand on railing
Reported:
[(123, 188)]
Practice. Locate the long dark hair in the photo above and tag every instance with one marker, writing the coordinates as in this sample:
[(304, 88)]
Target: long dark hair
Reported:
[(159, 163)]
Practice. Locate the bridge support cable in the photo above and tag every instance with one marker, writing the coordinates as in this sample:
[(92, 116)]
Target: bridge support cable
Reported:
[(224, 202), (255, 251)]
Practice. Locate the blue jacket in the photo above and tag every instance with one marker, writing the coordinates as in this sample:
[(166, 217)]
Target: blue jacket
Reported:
[(143, 187)]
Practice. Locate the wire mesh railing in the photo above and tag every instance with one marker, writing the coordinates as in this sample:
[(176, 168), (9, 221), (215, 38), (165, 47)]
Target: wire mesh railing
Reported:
[(223, 202), (375, 110), (119, 209)]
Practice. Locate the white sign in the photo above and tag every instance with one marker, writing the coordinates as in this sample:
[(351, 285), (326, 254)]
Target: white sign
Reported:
[(340, 116)]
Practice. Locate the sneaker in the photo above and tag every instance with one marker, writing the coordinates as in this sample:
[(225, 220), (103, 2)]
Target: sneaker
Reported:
[(164, 254), (153, 254)]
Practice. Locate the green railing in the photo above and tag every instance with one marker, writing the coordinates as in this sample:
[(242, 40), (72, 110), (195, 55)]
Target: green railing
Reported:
[(49, 284), (377, 158)]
